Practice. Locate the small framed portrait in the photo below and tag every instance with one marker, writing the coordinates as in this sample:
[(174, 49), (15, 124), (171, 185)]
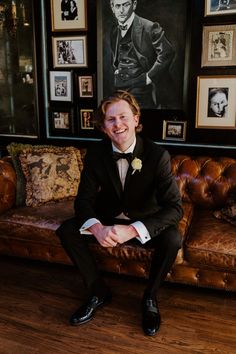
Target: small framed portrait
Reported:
[(85, 84), (219, 45), (220, 7), (87, 119), (61, 122), (60, 86), (174, 130), (216, 102), (69, 52), (69, 15)]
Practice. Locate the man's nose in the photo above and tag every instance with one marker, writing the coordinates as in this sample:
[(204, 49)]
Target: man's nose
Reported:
[(117, 122)]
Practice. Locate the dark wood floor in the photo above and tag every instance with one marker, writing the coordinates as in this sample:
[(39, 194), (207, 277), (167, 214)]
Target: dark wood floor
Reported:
[(36, 300)]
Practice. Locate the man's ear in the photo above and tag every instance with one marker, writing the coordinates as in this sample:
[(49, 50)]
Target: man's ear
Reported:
[(136, 117), (134, 4)]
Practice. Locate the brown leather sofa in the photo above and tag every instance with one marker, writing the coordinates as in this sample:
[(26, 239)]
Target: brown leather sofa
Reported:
[(208, 255)]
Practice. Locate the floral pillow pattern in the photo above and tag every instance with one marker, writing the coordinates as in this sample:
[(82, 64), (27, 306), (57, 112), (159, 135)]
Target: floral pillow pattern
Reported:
[(51, 173), (228, 213)]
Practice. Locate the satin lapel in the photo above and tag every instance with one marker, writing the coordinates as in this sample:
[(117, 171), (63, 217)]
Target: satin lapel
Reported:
[(138, 152), (113, 172)]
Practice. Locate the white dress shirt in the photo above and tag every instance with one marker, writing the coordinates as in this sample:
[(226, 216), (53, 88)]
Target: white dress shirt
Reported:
[(141, 229)]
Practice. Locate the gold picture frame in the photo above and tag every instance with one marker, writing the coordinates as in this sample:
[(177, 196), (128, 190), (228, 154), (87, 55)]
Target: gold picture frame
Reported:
[(87, 119), (70, 51), (69, 15), (216, 102), (219, 45)]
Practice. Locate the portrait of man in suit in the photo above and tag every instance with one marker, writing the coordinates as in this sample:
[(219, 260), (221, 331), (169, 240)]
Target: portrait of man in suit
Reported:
[(127, 194), (143, 52)]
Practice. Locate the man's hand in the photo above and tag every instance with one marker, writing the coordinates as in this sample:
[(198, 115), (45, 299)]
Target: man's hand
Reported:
[(124, 233), (104, 235)]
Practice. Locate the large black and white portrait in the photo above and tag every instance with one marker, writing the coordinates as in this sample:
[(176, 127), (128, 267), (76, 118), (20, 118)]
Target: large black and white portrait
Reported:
[(141, 48)]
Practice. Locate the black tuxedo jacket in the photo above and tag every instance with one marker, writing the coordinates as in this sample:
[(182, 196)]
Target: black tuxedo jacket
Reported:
[(150, 196)]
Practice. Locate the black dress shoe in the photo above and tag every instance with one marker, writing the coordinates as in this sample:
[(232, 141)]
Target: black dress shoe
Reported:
[(86, 311), (151, 316)]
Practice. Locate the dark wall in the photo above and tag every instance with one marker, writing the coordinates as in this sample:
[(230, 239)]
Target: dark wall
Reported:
[(198, 141)]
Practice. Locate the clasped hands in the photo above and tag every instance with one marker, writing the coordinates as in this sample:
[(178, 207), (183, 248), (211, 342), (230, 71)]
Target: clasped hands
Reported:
[(110, 236)]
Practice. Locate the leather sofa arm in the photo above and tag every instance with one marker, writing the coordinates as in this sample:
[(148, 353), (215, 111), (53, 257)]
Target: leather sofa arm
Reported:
[(7, 185)]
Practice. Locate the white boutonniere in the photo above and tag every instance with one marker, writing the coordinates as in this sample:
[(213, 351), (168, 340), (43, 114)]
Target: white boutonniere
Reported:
[(136, 164)]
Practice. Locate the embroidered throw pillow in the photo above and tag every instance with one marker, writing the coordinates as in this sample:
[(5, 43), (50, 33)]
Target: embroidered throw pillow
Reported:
[(51, 173), (228, 213)]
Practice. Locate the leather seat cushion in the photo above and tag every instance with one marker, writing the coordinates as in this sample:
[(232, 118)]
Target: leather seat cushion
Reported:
[(36, 226), (212, 242)]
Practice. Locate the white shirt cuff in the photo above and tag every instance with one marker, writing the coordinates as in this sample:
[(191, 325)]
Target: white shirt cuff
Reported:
[(88, 224), (144, 235)]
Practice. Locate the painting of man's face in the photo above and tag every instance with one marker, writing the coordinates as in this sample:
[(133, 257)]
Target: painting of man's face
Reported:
[(122, 9)]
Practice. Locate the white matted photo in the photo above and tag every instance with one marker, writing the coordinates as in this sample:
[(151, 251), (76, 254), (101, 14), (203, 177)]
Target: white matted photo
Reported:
[(60, 86), (69, 51), (69, 15), (216, 102), (219, 45), (85, 86), (220, 7)]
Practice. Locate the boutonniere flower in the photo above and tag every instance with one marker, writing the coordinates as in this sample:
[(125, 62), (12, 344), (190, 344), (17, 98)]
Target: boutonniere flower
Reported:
[(136, 164)]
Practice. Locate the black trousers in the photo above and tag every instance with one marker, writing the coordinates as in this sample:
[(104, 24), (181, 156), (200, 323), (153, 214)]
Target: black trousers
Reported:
[(165, 245)]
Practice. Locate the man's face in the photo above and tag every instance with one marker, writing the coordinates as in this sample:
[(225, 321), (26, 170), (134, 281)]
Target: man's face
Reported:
[(218, 103), (120, 123), (123, 9)]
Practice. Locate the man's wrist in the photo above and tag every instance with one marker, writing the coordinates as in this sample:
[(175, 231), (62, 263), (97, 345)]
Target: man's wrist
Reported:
[(95, 228)]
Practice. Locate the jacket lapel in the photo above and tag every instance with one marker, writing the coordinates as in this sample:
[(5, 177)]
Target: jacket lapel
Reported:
[(112, 170), (138, 152)]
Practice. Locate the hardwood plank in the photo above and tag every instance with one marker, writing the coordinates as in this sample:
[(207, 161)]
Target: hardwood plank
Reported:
[(36, 300)]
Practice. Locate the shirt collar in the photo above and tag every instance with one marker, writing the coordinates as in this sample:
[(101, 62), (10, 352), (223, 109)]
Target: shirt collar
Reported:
[(130, 149), (128, 22)]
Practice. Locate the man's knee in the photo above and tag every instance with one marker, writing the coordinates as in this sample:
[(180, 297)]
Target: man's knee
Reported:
[(171, 238), (67, 228)]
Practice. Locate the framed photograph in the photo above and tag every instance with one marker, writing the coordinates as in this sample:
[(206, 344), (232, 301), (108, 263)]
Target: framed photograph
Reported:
[(216, 102), (85, 84), (60, 86), (69, 52), (219, 45), (174, 130), (220, 7), (117, 72), (86, 119), (69, 15), (61, 122)]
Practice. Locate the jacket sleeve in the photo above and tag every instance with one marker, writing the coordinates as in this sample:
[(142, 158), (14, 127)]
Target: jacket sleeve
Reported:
[(168, 197), (87, 192)]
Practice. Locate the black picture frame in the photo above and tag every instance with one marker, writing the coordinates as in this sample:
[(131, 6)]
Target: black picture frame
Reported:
[(61, 122), (174, 130), (173, 17)]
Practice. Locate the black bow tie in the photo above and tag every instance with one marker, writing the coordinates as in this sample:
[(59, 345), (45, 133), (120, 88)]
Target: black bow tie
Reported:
[(123, 27), (118, 155)]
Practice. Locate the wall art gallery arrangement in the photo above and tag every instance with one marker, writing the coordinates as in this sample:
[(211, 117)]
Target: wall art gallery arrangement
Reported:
[(184, 78)]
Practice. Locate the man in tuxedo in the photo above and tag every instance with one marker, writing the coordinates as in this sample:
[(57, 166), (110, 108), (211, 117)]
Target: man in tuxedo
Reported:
[(126, 194), (141, 55)]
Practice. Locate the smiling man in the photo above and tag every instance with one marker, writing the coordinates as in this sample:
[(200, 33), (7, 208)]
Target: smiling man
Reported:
[(127, 194), (141, 54)]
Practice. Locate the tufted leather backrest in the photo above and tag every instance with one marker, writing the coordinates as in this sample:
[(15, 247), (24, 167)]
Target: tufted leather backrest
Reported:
[(205, 181), (7, 185)]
